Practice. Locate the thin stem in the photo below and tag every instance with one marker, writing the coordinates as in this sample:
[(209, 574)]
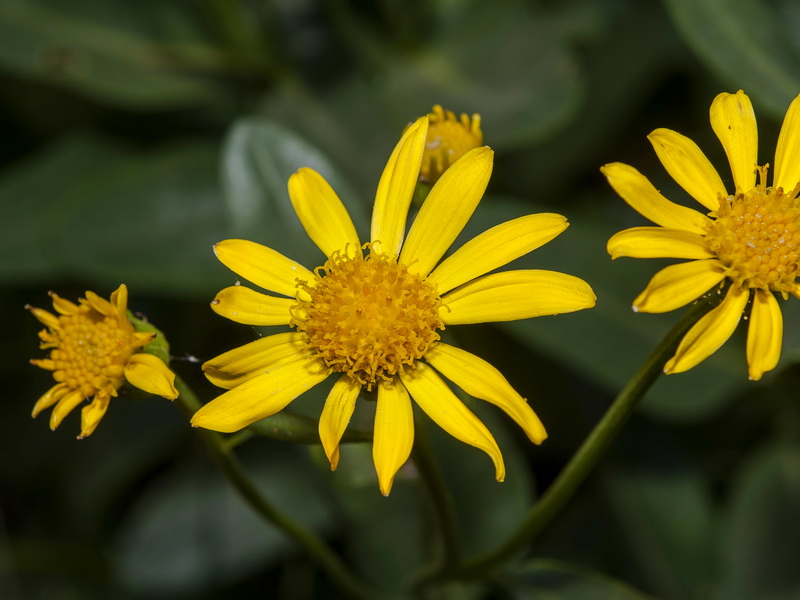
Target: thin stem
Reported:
[(236, 475), (594, 447)]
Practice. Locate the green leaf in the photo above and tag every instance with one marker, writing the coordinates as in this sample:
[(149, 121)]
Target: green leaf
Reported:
[(747, 43), (290, 427), (762, 541), (556, 580), (159, 346)]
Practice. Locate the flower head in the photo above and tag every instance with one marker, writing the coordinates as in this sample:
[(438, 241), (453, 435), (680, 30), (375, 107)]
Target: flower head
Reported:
[(373, 312), (748, 238), (449, 138), (94, 350)]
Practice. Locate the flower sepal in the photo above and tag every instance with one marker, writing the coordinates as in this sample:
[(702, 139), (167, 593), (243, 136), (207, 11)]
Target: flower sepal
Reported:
[(158, 344)]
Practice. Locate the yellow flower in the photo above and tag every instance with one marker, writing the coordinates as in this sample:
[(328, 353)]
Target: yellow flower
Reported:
[(449, 138), (372, 313), (92, 353), (748, 239)]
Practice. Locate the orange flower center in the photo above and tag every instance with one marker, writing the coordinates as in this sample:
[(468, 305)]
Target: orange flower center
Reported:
[(756, 235), (449, 138), (368, 317)]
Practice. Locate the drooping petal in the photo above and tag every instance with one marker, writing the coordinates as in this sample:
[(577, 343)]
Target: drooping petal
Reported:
[(787, 153), (513, 295), (119, 302), (396, 188), (677, 285), (443, 407), (710, 332), (260, 397), (336, 413), (101, 305), (393, 434), (480, 379), (245, 362), (149, 373), (92, 414), (322, 213), (657, 242), (446, 210), (46, 318), (263, 266), (734, 122), (65, 406), (639, 193), (50, 397), (243, 305), (63, 306), (764, 335), (689, 167), (496, 247)]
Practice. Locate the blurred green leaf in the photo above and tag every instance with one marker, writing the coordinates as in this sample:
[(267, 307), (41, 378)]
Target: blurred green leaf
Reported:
[(190, 531), (556, 580), (289, 427), (115, 51), (746, 42), (762, 539)]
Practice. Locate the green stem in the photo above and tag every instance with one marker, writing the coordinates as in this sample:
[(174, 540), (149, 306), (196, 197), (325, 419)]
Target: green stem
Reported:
[(233, 471), (593, 448)]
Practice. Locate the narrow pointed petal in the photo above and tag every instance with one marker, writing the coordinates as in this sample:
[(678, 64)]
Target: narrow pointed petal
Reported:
[(50, 397), (101, 305), (63, 306), (513, 295), (639, 193), (734, 122), (496, 247), (336, 414), (322, 213), (787, 154), (393, 435), (260, 397), (764, 335), (657, 242), (46, 318), (142, 338), (480, 379), (149, 373), (65, 406), (245, 362), (434, 397), (446, 210), (396, 188), (709, 333), (243, 305), (47, 364), (677, 285), (263, 266), (92, 414), (119, 302)]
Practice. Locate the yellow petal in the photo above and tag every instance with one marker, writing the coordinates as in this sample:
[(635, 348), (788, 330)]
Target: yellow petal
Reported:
[(764, 335), (734, 122), (639, 193), (119, 302), (689, 167), (322, 213), (480, 379), (245, 362), (446, 210), (677, 285), (496, 247), (92, 414), (149, 373), (448, 412), (62, 306), (260, 397), (396, 188), (263, 266), (336, 413), (709, 333), (657, 242), (65, 406), (787, 154), (101, 305), (243, 305), (50, 397), (513, 295), (393, 434), (46, 318)]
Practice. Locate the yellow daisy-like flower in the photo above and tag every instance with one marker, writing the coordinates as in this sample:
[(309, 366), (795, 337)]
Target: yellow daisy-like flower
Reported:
[(449, 138), (748, 238), (93, 351), (372, 312)]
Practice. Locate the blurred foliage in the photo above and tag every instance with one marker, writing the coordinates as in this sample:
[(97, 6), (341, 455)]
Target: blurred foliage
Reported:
[(137, 134)]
